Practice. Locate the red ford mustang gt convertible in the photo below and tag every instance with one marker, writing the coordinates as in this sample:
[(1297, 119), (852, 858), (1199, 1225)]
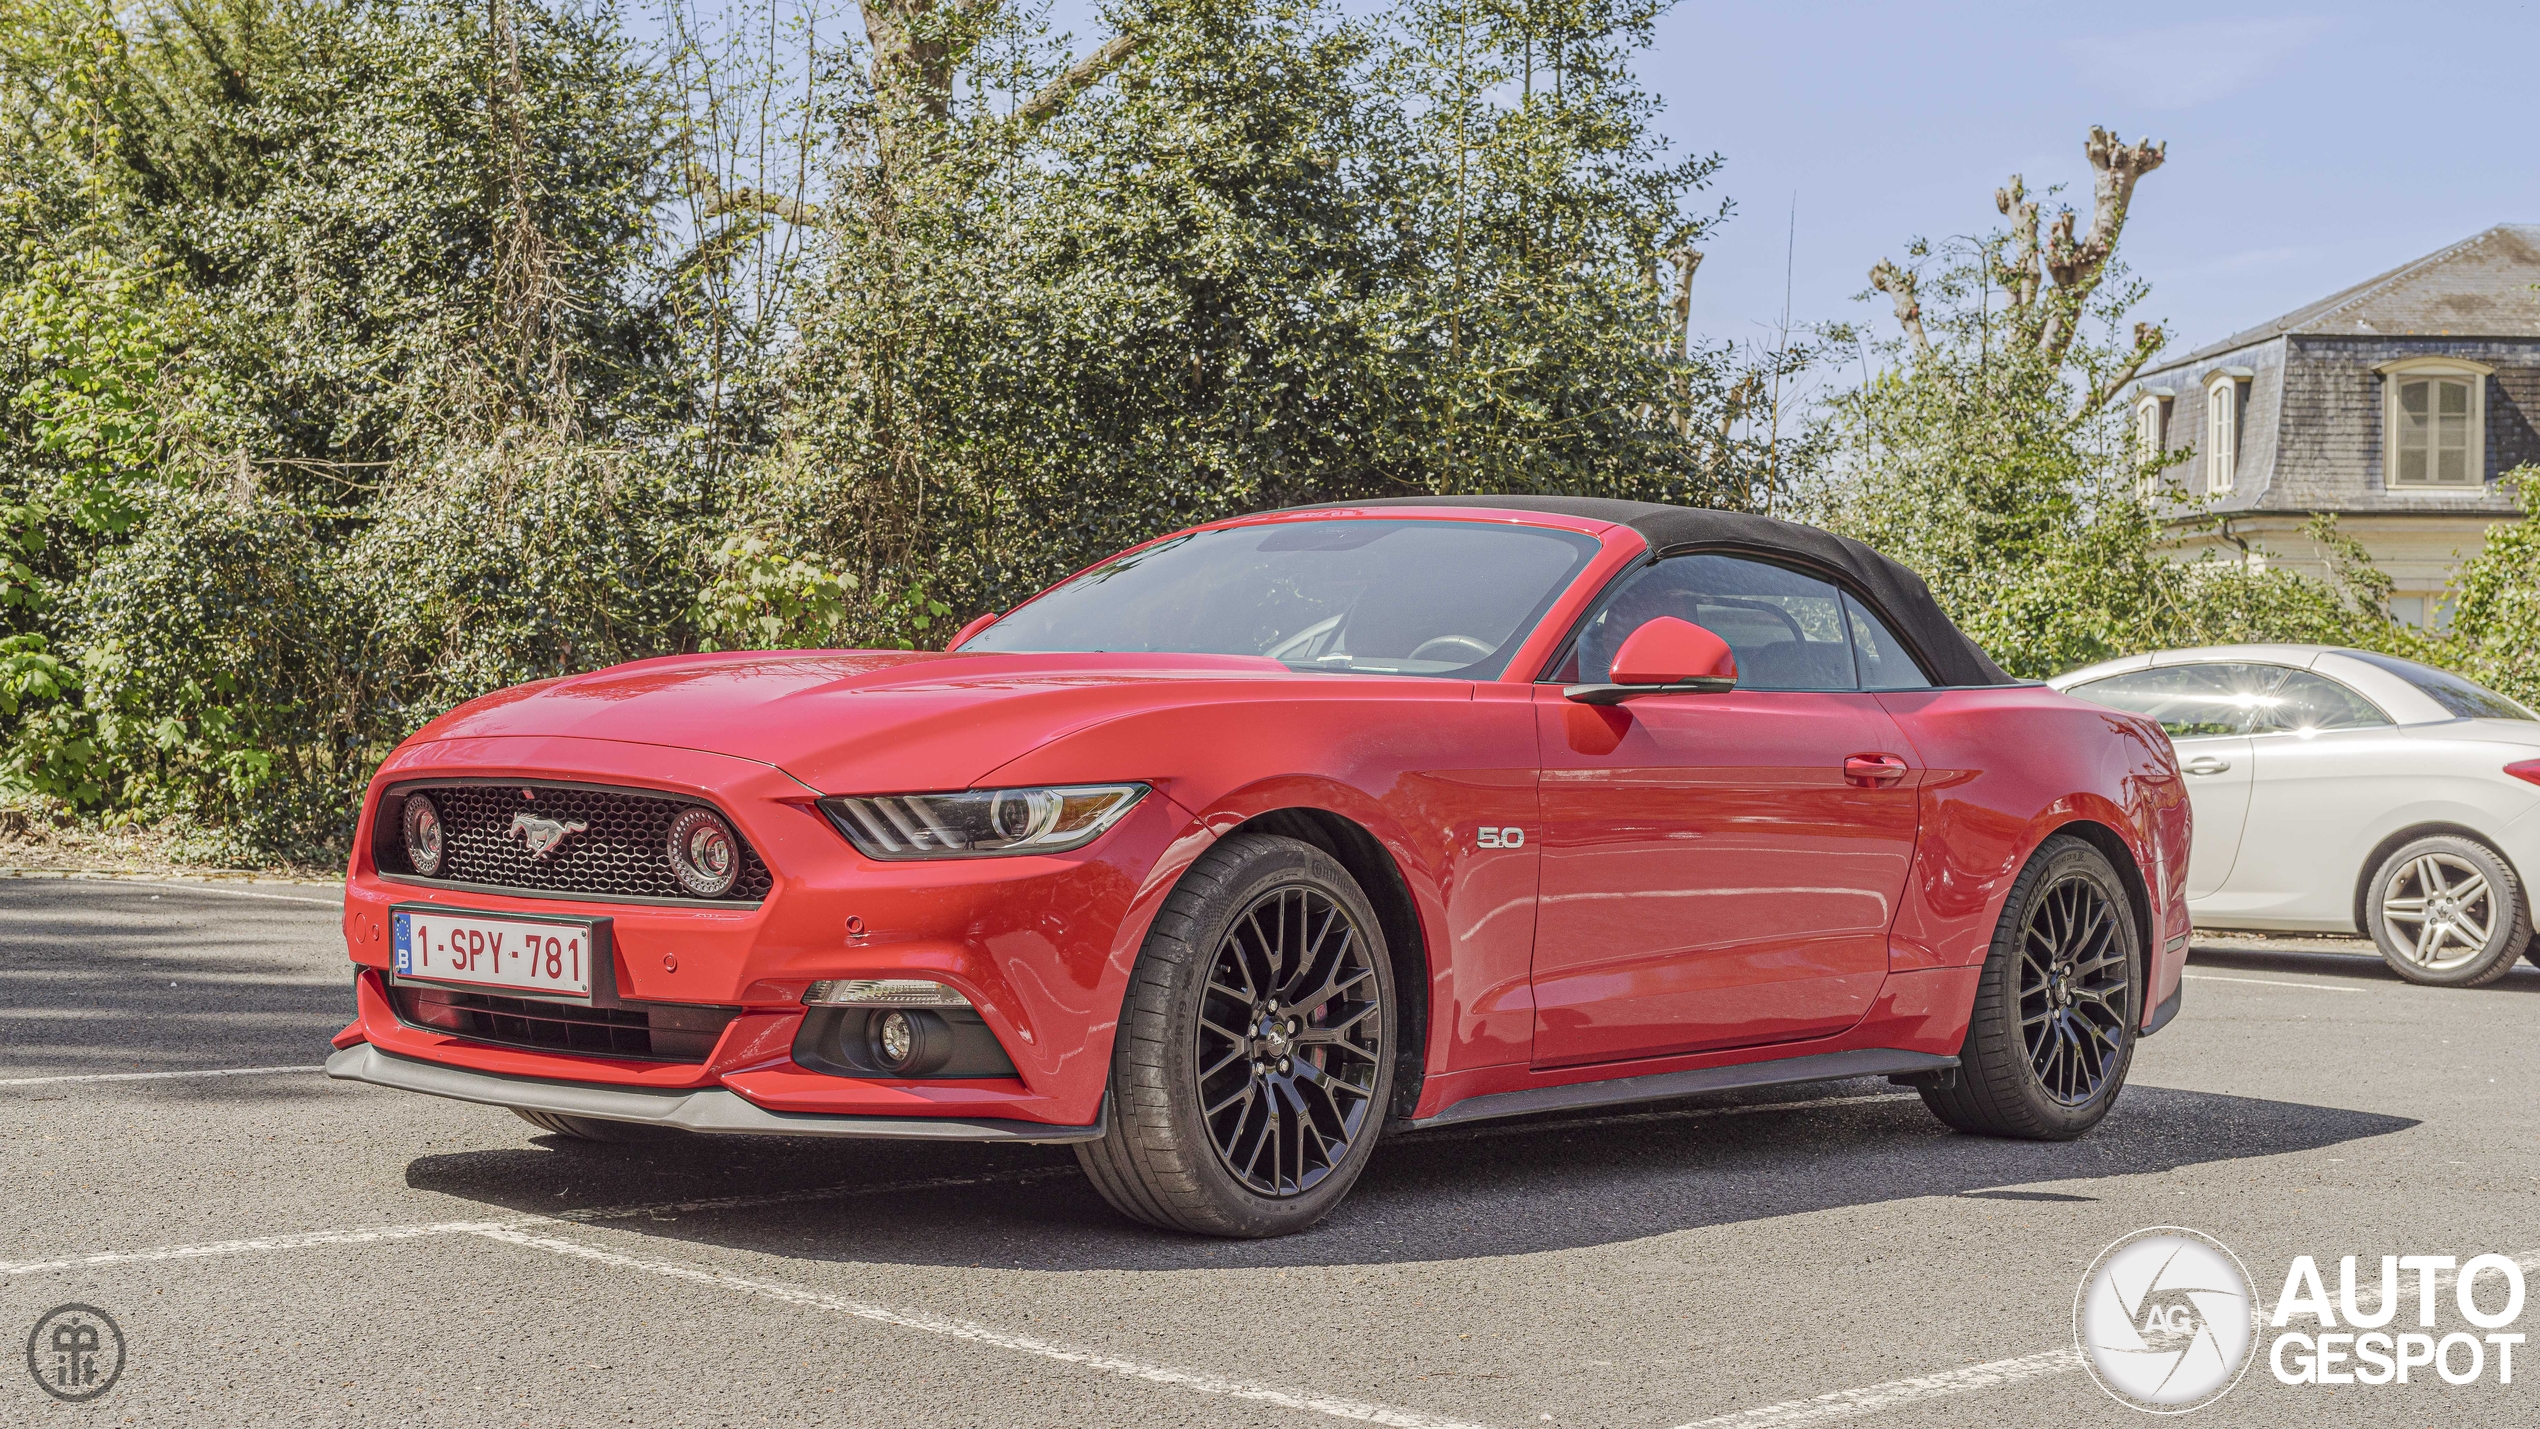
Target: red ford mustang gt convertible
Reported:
[(1242, 848)]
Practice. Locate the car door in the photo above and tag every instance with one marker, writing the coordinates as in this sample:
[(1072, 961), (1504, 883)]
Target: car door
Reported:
[(1711, 875), (2206, 708), (2323, 755)]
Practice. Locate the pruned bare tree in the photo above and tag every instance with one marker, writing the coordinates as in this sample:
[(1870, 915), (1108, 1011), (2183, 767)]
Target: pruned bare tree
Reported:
[(2048, 273)]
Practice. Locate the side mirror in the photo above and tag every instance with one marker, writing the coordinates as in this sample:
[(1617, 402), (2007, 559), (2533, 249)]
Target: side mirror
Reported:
[(973, 628), (1665, 656)]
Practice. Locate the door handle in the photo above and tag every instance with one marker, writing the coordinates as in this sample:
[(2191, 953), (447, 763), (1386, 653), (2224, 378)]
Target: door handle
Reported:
[(1872, 771), (2206, 764)]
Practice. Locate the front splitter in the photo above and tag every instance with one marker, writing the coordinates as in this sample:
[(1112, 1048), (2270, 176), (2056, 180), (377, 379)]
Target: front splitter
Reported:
[(711, 1110)]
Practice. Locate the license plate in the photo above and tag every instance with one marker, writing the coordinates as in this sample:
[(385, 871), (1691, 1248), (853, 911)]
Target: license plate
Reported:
[(540, 955)]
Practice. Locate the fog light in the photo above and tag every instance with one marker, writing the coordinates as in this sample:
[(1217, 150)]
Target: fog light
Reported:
[(882, 992), (909, 1044), (895, 1039)]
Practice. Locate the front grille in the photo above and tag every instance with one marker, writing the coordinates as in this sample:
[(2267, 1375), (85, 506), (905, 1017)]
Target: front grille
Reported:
[(658, 1032), (623, 853)]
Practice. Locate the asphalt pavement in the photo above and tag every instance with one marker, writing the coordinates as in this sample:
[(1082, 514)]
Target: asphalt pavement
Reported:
[(279, 1249)]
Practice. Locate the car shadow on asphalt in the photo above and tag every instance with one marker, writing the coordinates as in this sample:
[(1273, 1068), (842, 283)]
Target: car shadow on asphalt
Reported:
[(1508, 1189)]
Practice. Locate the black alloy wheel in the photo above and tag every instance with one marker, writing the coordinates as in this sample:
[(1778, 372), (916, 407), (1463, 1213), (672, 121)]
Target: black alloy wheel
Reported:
[(1287, 1041), (2076, 989), (2058, 1003), (1253, 1065)]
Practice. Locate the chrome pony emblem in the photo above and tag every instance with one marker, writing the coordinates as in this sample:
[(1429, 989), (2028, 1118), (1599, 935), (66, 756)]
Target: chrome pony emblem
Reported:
[(544, 835)]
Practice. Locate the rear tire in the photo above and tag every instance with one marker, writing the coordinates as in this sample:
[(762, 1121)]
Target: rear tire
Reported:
[(592, 1128), (1254, 1059), (2058, 1006), (2445, 911)]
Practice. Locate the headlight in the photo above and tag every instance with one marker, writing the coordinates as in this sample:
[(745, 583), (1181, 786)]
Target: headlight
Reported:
[(703, 853), (422, 823), (980, 823)]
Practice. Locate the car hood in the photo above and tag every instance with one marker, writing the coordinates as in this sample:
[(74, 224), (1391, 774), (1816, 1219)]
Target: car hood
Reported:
[(860, 721)]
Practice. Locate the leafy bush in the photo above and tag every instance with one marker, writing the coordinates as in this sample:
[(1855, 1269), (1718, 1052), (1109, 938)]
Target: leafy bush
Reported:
[(2495, 631)]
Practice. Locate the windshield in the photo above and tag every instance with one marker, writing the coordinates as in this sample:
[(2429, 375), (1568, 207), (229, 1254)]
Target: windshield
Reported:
[(2463, 699), (1449, 598)]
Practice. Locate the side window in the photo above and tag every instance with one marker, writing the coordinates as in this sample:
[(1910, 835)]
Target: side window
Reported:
[(2188, 700), (2306, 702), (1877, 652), (1788, 629)]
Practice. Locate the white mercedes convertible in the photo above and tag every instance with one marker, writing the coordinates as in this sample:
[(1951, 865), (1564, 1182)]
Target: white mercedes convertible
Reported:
[(2339, 791)]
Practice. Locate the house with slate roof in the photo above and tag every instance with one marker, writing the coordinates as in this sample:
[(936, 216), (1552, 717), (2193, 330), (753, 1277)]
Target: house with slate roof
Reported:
[(2397, 404)]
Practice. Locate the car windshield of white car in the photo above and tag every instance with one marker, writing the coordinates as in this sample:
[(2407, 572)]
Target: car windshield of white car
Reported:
[(2463, 699), (1445, 598)]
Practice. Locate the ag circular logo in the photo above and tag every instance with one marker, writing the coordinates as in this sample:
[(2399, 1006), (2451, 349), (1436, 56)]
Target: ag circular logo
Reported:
[(2163, 1320), (75, 1352)]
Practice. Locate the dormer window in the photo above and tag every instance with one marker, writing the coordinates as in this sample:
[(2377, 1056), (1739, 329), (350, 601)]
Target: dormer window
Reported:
[(2222, 432), (2151, 436), (2434, 417)]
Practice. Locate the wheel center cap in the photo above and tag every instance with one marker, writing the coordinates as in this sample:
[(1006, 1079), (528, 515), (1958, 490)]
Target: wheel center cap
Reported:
[(1272, 1035)]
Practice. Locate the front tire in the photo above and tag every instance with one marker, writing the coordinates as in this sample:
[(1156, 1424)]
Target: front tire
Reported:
[(1254, 1059), (2445, 911), (2058, 1006)]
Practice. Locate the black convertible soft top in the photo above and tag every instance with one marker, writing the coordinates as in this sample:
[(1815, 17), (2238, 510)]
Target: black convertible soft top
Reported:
[(1895, 592)]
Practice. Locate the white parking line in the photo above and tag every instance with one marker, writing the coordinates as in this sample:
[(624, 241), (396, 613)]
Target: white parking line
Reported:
[(255, 1245), (156, 1076), (949, 1327), (2270, 982), (1844, 1404), (362, 1235)]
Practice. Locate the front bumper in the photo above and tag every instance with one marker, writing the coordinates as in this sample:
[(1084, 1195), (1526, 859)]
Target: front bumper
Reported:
[(710, 1109), (1041, 946)]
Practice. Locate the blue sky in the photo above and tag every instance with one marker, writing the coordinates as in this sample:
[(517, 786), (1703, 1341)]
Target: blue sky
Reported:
[(2309, 148)]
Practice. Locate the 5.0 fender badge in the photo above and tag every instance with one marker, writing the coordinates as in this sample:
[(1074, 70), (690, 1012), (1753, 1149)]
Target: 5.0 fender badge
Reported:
[(544, 835)]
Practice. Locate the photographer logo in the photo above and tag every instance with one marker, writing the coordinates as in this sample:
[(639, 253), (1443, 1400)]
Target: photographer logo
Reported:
[(2163, 1320), (75, 1352)]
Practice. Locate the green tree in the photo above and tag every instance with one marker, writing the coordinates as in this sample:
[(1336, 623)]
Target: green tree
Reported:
[(1288, 257)]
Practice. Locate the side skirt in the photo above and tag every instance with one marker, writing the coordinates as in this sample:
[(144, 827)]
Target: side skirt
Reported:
[(1786, 1071)]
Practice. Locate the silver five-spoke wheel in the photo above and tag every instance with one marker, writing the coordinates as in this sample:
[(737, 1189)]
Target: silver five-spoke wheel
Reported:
[(2442, 908), (2446, 910)]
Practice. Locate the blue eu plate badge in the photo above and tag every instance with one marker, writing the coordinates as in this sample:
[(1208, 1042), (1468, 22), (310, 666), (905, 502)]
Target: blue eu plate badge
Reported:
[(405, 925)]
